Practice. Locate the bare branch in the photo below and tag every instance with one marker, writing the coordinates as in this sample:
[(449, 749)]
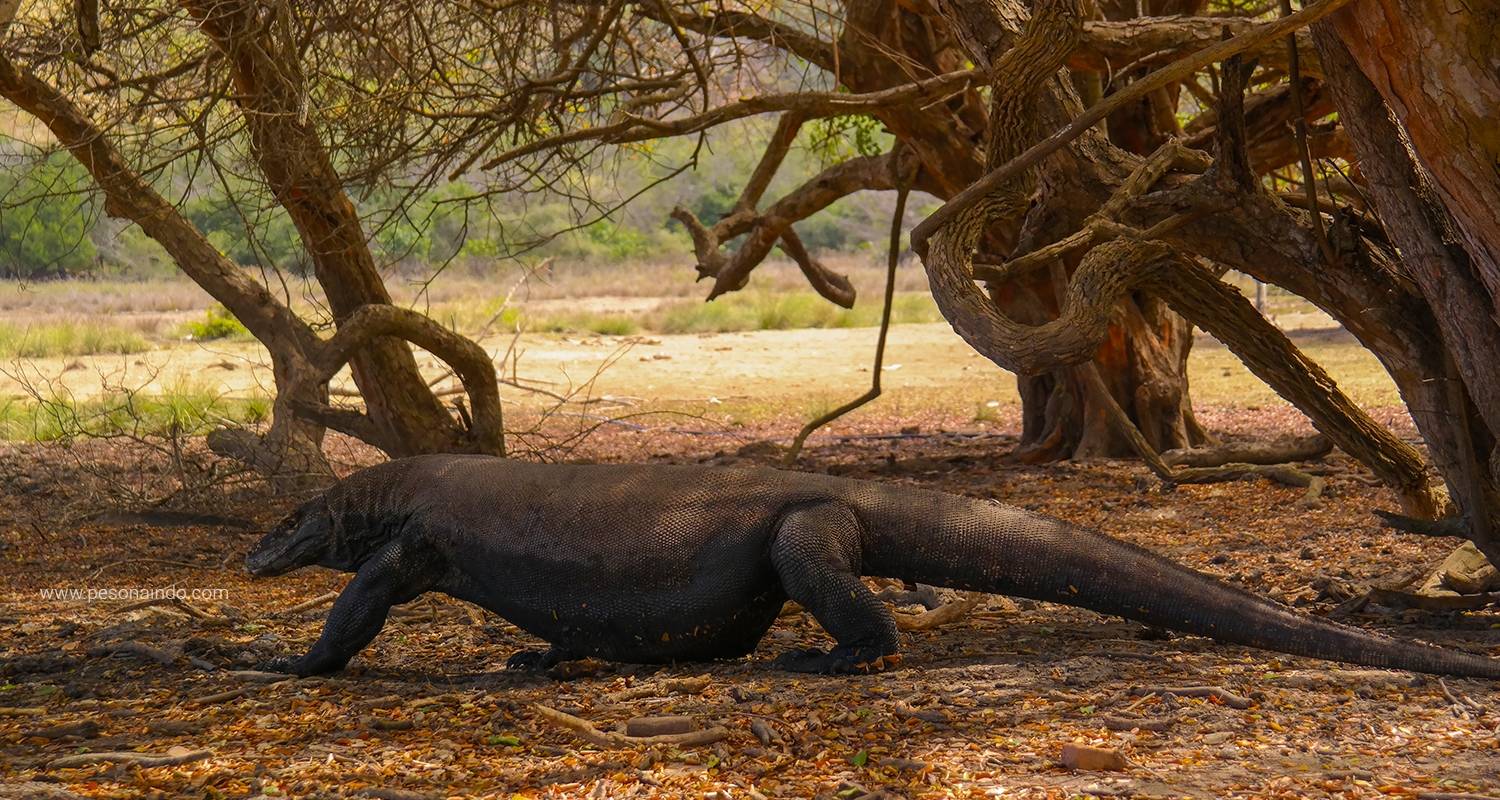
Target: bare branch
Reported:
[(1171, 73), (744, 25), (1113, 45), (633, 128)]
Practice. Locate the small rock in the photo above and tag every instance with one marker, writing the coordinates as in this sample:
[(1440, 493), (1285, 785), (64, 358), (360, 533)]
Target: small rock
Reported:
[(742, 695), (762, 731), (658, 726), (1082, 756)]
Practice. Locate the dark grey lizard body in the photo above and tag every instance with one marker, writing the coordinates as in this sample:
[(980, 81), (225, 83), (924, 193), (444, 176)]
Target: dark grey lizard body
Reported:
[(675, 563)]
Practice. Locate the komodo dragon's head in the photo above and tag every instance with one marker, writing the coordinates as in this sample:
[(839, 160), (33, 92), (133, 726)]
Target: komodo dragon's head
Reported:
[(307, 536)]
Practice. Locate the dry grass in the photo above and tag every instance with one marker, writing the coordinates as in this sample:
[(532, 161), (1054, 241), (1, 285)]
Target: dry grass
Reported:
[(72, 338), (186, 409)]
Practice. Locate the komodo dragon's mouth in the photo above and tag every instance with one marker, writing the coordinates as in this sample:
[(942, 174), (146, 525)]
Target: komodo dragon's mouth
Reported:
[(284, 549)]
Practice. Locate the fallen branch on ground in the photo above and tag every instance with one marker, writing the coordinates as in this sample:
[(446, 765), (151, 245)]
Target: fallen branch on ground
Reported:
[(942, 615), (1223, 695), (1277, 452), (1281, 473), (1460, 701), (177, 603), (1456, 527), (322, 599), (1128, 724), (1391, 598), (134, 648), (232, 694), (133, 759), (586, 731), (694, 685)]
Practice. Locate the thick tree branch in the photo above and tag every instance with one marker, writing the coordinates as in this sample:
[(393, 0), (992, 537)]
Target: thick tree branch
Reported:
[(468, 360), (1113, 45), (764, 229), (1172, 73), (745, 25)]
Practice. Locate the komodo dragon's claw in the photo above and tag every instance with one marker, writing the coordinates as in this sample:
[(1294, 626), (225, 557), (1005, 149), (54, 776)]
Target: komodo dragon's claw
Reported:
[(535, 660), (839, 661)]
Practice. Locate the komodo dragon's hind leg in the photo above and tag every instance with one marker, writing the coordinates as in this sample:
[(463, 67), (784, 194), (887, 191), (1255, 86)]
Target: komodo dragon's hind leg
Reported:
[(816, 552), (394, 575)]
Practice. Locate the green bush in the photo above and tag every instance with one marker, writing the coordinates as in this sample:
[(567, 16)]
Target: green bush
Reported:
[(217, 323), (45, 217), (605, 325)]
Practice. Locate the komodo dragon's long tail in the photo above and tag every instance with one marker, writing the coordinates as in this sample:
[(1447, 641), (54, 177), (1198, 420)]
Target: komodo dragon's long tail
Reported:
[(992, 548)]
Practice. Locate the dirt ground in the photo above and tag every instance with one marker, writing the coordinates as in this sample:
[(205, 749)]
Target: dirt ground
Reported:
[(980, 708)]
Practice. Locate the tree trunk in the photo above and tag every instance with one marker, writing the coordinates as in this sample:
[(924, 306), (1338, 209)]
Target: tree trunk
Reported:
[(1144, 360), (1453, 392), (290, 452), (1434, 64)]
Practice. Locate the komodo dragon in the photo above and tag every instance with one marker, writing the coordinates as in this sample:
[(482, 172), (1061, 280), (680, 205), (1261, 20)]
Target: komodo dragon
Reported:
[(648, 563)]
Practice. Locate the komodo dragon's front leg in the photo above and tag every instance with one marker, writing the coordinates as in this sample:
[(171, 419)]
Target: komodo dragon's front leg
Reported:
[(816, 552), (396, 574)]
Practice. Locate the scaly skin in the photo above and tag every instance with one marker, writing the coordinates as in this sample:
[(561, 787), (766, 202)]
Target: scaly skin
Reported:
[(684, 563)]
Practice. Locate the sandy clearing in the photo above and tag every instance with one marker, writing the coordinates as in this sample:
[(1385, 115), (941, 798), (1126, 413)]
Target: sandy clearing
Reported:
[(798, 370)]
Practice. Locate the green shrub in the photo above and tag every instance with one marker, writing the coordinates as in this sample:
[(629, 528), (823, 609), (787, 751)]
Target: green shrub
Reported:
[(217, 323), (45, 218)]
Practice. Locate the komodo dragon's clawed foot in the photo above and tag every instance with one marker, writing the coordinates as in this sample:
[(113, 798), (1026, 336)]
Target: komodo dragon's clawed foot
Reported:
[(838, 661), (535, 660), (292, 665)]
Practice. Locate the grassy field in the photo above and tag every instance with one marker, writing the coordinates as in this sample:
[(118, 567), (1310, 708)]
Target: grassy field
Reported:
[(77, 338), (182, 410)]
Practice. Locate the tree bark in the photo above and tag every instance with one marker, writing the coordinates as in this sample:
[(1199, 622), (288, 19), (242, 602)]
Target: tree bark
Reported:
[(1434, 64), (1460, 412)]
